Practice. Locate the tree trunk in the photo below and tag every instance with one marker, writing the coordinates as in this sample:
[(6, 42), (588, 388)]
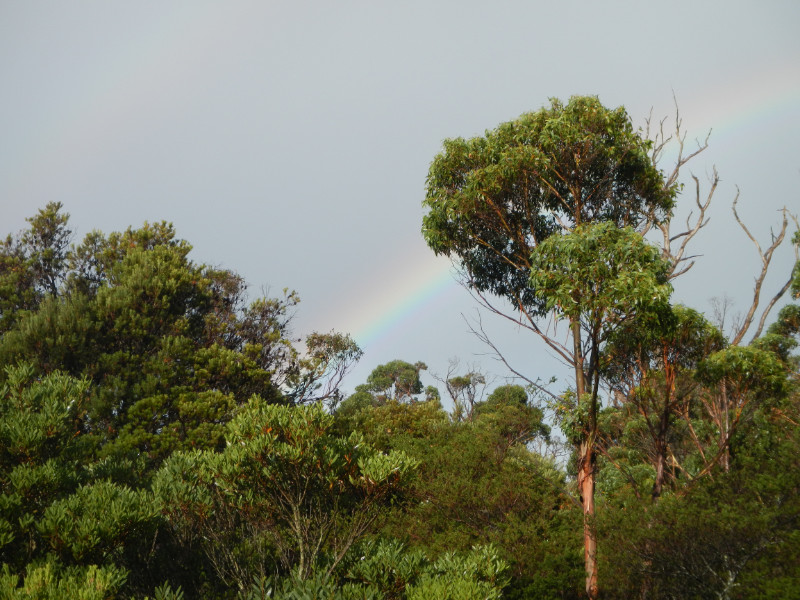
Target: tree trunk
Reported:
[(586, 466), (586, 486)]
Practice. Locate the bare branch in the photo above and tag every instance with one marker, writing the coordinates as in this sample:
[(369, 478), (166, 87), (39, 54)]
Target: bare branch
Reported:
[(780, 293), (766, 258), (465, 390), (680, 263), (479, 332), (676, 257), (528, 323), (769, 308), (661, 141)]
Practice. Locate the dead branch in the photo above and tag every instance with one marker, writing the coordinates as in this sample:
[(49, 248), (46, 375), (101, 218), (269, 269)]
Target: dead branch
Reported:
[(680, 263), (661, 140), (676, 257), (780, 293), (766, 258)]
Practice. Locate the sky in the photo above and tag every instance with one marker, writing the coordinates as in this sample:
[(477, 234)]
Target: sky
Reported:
[(290, 141)]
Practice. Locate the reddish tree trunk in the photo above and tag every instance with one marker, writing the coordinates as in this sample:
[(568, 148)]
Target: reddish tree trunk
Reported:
[(586, 465), (586, 486)]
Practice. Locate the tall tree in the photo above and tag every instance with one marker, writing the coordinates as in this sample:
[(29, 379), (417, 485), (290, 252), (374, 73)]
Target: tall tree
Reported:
[(596, 277), (492, 200)]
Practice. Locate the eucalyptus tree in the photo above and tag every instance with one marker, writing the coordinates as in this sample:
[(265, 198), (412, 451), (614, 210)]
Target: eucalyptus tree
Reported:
[(597, 277), (493, 200), (739, 381)]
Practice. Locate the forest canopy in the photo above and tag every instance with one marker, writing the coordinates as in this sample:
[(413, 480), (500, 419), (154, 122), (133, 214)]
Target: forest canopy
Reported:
[(164, 435)]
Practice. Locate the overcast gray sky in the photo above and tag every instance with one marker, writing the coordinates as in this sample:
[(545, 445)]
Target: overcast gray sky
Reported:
[(290, 141)]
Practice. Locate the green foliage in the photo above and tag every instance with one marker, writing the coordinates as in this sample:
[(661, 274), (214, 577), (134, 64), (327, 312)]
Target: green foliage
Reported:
[(783, 336), (316, 587), (285, 488), (478, 484), (50, 582), (600, 275), (32, 265), (395, 389), (387, 570), (397, 380), (492, 199), (383, 425), (165, 592), (733, 536), (544, 212), (138, 332), (508, 412), (64, 525), (160, 433), (507, 395), (161, 352), (170, 347), (329, 357), (95, 523), (91, 261), (387, 566), (571, 414), (745, 371), (476, 576), (675, 337), (41, 450), (464, 390), (650, 363), (40, 417)]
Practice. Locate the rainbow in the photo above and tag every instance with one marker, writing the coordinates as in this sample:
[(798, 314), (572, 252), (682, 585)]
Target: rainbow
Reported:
[(770, 97), (415, 290)]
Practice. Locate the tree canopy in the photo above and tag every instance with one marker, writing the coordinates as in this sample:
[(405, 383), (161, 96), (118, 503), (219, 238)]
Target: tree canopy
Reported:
[(492, 199)]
